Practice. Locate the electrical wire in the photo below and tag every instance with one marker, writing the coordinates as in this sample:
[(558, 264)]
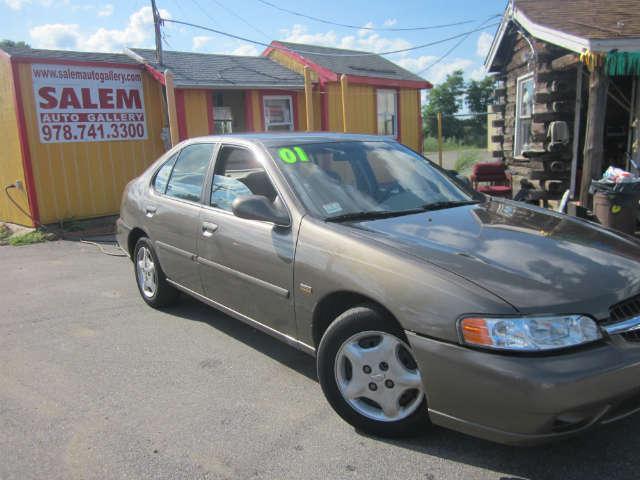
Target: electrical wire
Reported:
[(353, 54), (42, 227), (356, 27), (451, 50), (242, 19)]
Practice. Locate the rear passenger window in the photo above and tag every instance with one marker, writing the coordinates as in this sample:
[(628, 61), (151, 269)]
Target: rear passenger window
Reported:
[(189, 172), (162, 175), (238, 173)]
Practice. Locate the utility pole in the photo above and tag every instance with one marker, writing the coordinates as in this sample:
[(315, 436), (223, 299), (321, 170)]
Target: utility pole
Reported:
[(156, 23)]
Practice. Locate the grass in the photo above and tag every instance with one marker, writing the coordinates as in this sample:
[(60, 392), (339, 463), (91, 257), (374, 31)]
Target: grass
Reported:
[(466, 160), (448, 145), (5, 233), (28, 238)]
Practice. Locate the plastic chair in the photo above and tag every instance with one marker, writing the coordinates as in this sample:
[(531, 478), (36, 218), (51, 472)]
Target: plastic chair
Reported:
[(492, 178)]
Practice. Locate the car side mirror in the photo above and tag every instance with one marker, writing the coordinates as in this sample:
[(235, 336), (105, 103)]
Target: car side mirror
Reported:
[(460, 179), (258, 207)]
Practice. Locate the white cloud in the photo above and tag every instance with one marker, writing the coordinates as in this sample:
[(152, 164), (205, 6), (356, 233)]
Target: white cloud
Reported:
[(56, 35), (200, 41), (439, 71), (246, 50), (367, 40), (390, 22), (138, 32), (478, 73), (484, 44), (106, 10), (16, 4)]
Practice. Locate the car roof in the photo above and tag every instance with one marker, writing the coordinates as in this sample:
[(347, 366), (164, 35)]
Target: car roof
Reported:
[(278, 139)]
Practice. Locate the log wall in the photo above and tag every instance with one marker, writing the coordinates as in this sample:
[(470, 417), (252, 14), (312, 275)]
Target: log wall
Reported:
[(554, 99)]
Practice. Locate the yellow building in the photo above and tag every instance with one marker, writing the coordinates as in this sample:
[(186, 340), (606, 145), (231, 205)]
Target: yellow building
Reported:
[(357, 92), (77, 126)]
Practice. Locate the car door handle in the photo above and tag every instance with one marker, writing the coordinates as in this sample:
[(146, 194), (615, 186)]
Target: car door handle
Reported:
[(150, 210), (208, 229)]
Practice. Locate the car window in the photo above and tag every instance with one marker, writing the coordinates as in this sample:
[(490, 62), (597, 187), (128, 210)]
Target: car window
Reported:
[(189, 172), (162, 175), (238, 173), (348, 177)]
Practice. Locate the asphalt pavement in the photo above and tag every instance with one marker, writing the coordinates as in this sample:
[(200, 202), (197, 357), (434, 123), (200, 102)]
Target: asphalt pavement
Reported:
[(96, 385)]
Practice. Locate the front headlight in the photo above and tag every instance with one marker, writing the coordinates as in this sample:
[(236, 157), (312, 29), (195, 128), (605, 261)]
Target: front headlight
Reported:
[(528, 334)]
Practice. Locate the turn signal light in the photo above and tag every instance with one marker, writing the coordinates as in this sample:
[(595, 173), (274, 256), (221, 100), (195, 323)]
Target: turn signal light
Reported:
[(475, 331)]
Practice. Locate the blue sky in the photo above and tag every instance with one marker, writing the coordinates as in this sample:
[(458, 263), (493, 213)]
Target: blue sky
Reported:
[(112, 25)]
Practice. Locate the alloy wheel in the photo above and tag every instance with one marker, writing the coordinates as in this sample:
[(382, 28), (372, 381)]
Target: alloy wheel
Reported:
[(147, 273), (378, 376)]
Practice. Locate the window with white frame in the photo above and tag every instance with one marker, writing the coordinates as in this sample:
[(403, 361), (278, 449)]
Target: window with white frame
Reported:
[(524, 113), (387, 103), (278, 112)]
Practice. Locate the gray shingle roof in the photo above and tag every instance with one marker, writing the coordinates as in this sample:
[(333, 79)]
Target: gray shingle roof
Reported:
[(374, 66), (37, 53), (208, 70), (596, 19)]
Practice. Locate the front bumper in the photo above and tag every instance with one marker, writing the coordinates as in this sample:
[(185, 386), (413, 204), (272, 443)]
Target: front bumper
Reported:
[(526, 400)]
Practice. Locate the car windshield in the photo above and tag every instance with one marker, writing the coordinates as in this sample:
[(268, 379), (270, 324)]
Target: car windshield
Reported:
[(337, 180)]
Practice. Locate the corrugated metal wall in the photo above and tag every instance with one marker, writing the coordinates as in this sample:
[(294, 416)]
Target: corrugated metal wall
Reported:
[(10, 151), (82, 180)]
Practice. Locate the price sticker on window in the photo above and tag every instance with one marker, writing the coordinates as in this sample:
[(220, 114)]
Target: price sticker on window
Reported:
[(293, 155)]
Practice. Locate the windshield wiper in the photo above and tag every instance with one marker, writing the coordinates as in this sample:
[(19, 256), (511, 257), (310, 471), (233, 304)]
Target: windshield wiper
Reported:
[(447, 204), (371, 214), (374, 214)]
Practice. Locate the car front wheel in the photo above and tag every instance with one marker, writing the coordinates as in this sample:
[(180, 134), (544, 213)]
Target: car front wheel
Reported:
[(369, 375)]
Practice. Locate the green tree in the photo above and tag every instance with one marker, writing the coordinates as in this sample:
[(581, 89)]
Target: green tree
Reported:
[(11, 43), (448, 99), (479, 94)]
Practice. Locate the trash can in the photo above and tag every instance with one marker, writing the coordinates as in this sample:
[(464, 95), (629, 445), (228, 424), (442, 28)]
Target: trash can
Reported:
[(616, 204)]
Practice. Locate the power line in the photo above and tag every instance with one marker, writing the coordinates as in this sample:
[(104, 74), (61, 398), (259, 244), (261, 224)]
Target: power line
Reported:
[(203, 10), (353, 54), (346, 25), (457, 44), (243, 20)]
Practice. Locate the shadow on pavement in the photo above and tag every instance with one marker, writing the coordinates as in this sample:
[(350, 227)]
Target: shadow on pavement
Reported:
[(192, 309), (608, 452)]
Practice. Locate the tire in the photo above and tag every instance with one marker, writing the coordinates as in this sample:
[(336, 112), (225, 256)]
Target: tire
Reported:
[(162, 294), (351, 360)]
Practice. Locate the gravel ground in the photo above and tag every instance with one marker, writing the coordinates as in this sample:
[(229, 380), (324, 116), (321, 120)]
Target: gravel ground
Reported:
[(95, 384)]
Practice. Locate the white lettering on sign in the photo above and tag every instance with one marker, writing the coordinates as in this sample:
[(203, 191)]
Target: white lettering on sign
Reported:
[(88, 104)]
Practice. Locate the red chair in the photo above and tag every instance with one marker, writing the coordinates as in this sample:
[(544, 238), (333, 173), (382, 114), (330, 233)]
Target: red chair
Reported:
[(494, 177)]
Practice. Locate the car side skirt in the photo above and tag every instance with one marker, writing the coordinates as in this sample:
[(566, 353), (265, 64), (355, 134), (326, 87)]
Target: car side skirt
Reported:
[(248, 320)]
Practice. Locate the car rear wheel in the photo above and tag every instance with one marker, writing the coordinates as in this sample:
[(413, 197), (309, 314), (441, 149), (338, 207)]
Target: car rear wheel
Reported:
[(152, 283), (369, 375)]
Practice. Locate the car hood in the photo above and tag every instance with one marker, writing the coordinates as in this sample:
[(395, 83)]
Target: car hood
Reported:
[(538, 261)]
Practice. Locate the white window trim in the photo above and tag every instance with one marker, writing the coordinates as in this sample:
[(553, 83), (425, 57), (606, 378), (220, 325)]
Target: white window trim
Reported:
[(395, 116), (280, 124), (516, 124)]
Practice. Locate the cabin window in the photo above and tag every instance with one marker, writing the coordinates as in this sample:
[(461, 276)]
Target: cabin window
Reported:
[(387, 112), (278, 113), (524, 112)]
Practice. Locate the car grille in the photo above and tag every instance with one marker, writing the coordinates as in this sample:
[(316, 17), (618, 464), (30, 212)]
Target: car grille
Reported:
[(624, 310)]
